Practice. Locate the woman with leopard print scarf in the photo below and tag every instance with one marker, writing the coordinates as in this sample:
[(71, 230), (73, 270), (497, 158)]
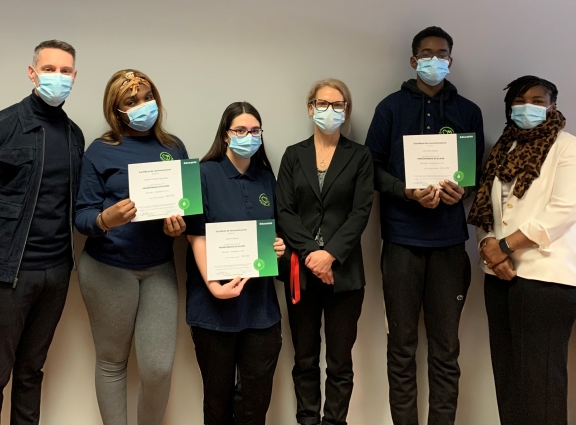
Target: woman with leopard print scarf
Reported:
[(525, 215)]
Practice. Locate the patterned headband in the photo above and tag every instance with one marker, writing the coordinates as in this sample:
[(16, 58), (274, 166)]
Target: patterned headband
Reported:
[(132, 82)]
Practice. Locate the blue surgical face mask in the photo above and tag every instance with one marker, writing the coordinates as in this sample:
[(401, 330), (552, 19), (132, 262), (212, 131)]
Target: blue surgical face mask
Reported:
[(528, 116), (433, 71), (328, 121), (142, 117), (53, 87), (245, 147)]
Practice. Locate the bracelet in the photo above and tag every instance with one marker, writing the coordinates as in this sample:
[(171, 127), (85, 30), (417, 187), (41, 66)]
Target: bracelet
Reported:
[(103, 223), (99, 223), (100, 220)]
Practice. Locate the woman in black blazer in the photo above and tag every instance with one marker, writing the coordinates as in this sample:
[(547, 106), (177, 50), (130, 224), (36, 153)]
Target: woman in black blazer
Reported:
[(324, 196)]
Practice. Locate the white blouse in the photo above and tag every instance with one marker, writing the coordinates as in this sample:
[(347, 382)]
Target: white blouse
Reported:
[(546, 214)]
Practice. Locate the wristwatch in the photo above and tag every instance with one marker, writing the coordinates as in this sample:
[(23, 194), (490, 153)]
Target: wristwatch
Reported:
[(505, 247)]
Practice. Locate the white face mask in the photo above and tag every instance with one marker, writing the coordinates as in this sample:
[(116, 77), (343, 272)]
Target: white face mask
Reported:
[(433, 71), (54, 87), (528, 116), (328, 121), (143, 116)]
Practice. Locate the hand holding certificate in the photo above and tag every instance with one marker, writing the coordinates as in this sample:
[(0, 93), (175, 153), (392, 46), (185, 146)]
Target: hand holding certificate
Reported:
[(433, 158), (165, 188), (241, 248)]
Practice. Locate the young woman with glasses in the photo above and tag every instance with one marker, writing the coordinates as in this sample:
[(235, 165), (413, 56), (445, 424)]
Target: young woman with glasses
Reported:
[(235, 325)]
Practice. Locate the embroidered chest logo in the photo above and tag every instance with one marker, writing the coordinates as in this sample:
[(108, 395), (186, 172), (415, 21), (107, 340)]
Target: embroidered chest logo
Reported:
[(165, 156), (264, 200), (446, 130)]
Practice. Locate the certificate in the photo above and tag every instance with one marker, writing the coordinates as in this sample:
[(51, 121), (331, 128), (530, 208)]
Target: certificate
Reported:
[(432, 158), (165, 188), (241, 248)]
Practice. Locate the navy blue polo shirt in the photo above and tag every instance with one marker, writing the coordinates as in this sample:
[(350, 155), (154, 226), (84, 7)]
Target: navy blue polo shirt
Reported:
[(229, 195), (410, 111)]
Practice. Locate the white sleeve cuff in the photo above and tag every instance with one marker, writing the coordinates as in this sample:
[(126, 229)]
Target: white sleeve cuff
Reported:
[(481, 235), (536, 233)]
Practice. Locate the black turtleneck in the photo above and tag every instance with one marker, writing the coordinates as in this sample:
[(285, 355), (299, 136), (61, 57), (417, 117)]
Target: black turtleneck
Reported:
[(48, 242)]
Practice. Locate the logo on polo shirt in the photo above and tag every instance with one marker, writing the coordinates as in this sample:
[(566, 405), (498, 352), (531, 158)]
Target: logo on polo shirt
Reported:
[(264, 200), (165, 156), (446, 130)]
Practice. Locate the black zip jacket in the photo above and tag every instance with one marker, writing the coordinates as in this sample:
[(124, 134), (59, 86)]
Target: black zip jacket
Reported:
[(22, 142)]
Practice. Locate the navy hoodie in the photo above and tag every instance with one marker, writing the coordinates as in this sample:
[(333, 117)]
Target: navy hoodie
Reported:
[(409, 111), (103, 183)]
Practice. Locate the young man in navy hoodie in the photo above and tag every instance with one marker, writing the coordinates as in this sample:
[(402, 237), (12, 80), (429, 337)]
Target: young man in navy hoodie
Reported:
[(424, 262), (40, 153)]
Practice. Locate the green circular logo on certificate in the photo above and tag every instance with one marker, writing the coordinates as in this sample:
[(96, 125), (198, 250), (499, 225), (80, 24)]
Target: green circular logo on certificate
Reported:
[(259, 264), (458, 176), (184, 203)]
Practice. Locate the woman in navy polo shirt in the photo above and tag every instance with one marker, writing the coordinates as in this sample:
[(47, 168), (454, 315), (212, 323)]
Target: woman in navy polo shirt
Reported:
[(126, 272), (235, 325)]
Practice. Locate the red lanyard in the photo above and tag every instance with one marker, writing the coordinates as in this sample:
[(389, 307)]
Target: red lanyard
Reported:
[(295, 277)]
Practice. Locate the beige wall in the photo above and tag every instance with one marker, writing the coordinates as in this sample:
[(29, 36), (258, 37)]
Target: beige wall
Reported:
[(204, 55)]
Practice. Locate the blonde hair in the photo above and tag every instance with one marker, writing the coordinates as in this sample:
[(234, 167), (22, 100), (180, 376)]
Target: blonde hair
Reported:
[(116, 87), (335, 84)]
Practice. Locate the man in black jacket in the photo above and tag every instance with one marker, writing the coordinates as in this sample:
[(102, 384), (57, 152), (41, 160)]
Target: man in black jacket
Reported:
[(40, 153)]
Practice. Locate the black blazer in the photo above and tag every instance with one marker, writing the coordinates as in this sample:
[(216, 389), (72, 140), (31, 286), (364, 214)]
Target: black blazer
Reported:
[(342, 209)]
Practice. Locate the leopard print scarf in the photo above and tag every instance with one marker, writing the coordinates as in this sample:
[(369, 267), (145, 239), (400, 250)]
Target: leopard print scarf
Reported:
[(524, 161)]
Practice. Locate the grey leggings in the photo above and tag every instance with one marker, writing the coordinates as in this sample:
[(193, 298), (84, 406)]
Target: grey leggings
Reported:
[(123, 303)]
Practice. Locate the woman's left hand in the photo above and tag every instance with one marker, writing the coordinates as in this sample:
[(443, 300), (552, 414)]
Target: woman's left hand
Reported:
[(327, 278), (319, 262), (505, 270), (174, 226), (279, 247), (491, 253)]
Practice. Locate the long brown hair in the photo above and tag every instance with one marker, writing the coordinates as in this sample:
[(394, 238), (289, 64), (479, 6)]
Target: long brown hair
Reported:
[(112, 96), (219, 147)]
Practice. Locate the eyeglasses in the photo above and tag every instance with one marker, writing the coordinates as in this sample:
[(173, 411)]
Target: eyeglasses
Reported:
[(321, 105), (242, 131), (428, 56)]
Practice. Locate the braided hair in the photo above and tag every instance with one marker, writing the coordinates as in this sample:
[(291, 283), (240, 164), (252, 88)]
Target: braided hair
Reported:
[(521, 85)]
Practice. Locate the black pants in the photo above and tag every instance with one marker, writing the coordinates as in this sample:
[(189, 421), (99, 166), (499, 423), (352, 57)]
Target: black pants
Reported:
[(237, 373), (341, 313), (530, 324), (437, 280), (29, 314)]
